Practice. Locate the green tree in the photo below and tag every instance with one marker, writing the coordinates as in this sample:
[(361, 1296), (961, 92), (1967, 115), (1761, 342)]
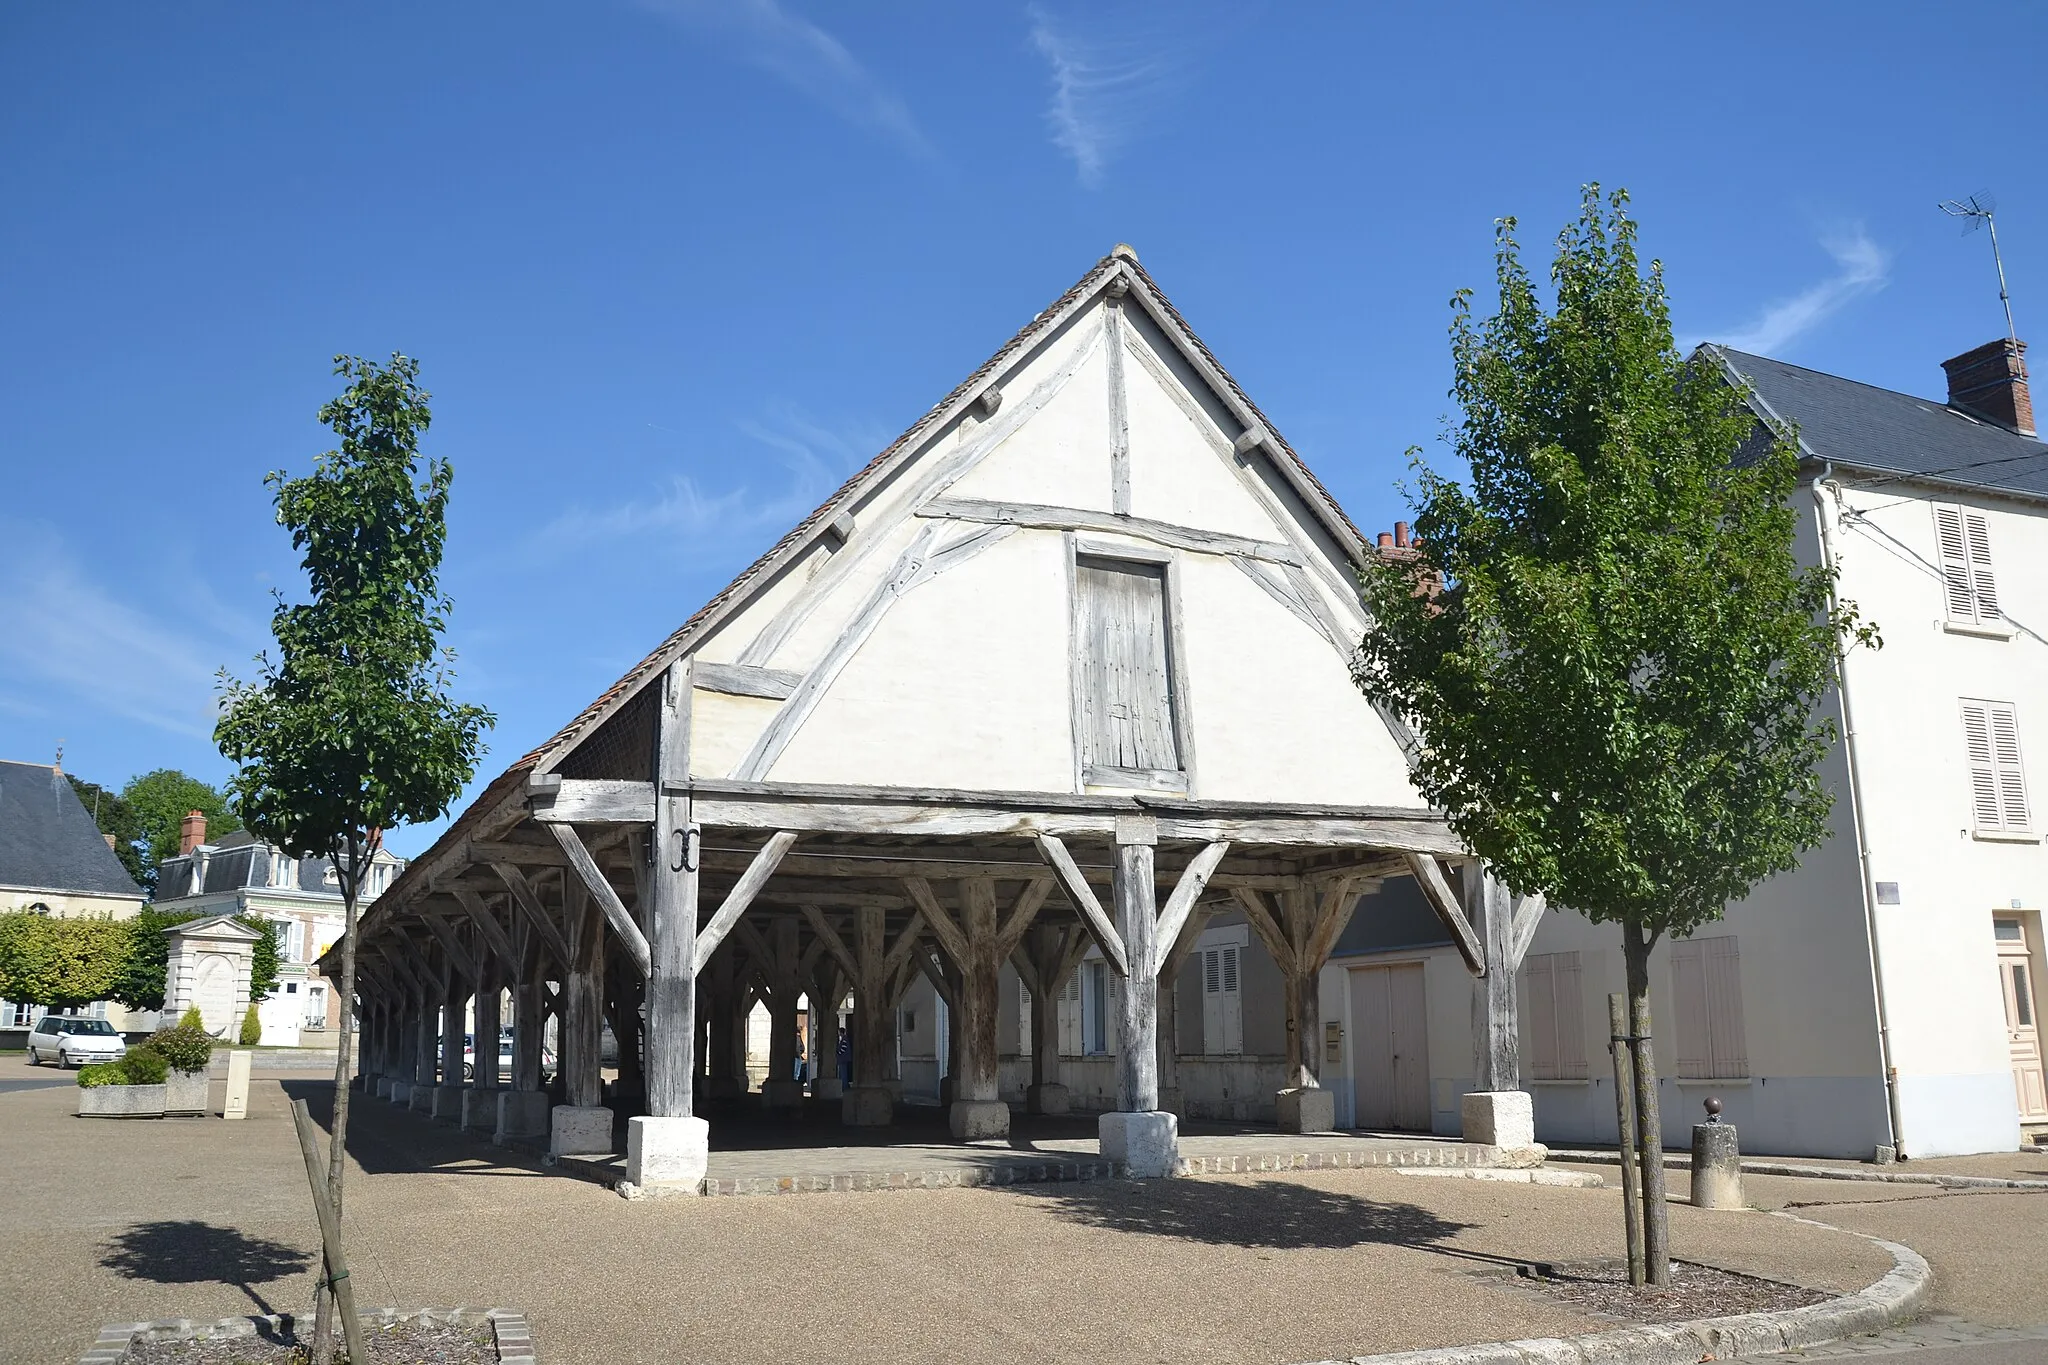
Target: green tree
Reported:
[(115, 816), (350, 729), (59, 963), (1606, 640), (159, 802)]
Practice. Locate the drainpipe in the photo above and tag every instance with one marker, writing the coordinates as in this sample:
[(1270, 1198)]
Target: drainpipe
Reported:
[(1823, 488)]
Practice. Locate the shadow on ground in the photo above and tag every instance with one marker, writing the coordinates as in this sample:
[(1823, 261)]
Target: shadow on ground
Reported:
[(190, 1252), (1264, 1214)]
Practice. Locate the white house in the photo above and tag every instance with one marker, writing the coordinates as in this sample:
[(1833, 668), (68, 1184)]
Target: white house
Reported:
[(1886, 994)]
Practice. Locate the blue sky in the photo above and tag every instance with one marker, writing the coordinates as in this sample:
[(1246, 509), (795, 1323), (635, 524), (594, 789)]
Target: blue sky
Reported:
[(673, 269)]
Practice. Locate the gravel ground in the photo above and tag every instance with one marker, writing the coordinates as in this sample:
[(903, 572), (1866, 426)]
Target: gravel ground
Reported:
[(206, 1219), (1695, 1291), (404, 1343)]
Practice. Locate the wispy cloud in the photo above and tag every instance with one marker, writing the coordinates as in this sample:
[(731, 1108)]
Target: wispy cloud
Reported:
[(72, 643), (1107, 85), (806, 460), (1861, 267), (805, 57)]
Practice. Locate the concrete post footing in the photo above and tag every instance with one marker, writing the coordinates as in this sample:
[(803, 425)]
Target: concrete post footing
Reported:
[(782, 1094), (522, 1116), (381, 1087), (420, 1098), (1146, 1145), (479, 1110), (867, 1106), (1498, 1118), (579, 1130), (973, 1120), (1716, 1167), (1306, 1109), (400, 1094), (724, 1087), (448, 1102), (666, 1155), (1050, 1098), (830, 1088)]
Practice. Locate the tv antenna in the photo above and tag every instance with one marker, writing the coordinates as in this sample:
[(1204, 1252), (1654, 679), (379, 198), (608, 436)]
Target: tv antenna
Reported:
[(1979, 210)]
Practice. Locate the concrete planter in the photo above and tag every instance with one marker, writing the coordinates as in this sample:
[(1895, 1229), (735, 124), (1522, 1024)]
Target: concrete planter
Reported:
[(121, 1102), (186, 1093)]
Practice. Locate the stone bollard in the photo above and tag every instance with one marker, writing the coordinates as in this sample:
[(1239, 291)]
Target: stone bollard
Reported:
[(236, 1103), (1716, 1162)]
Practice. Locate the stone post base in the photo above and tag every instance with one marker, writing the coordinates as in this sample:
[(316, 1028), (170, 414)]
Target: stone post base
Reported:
[(973, 1120), (1050, 1098), (574, 1131), (400, 1094), (782, 1094), (421, 1098), (1502, 1118), (724, 1087), (364, 1082), (382, 1089), (1146, 1145), (522, 1116), (665, 1156), (1306, 1109), (867, 1106), (1716, 1167), (447, 1103), (829, 1088), (480, 1110)]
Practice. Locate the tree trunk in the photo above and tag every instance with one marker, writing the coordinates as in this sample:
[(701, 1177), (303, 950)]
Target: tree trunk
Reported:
[(1649, 1124), (337, 1143)]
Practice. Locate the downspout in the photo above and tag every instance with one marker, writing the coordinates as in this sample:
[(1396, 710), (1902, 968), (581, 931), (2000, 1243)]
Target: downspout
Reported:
[(1884, 1036)]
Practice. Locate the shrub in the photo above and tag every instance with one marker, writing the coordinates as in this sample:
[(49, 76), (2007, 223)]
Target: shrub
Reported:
[(252, 1028), (141, 1066), (185, 1048), (190, 1019)]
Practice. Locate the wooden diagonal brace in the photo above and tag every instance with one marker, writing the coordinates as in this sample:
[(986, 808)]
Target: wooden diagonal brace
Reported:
[(458, 952), (1436, 889), (830, 937), (936, 919), (1528, 919), (1194, 879), (528, 901), (742, 894), (1083, 897), (600, 887), (486, 923)]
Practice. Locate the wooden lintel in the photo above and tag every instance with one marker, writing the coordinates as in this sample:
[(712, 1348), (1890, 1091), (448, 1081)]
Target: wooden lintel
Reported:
[(1035, 516), (519, 855), (744, 680), (1437, 890)]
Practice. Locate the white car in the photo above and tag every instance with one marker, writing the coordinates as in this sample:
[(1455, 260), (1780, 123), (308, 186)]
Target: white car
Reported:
[(73, 1042)]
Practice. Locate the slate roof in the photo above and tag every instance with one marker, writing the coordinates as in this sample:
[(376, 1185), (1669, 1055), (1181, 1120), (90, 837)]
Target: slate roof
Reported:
[(1868, 428), (236, 865), (48, 840)]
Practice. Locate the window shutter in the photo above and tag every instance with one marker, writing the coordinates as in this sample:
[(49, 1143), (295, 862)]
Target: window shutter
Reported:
[(1723, 965), (1539, 1010), (1571, 1019), (1694, 1044), (1983, 768), (1212, 1001), (2005, 754), (1126, 699), (1978, 533), (1233, 1002), (1955, 564)]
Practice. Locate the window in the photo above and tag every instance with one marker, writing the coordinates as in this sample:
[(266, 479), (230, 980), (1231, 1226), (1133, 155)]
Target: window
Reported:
[(1552, 1023), (1070, 1016), (1967, 583), (1998, 787), (1126, 720), (1706, 986), (1223, 995), (1099, 992)]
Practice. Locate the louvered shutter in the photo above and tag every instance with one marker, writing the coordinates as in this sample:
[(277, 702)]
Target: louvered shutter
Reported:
[(1539, 1010), (1070, 1016), (1025, 1005), (1571, 1019), (1724, 1007), (2005, 754), (1978, 533), (1232, 1006), (1212, 1001), (1694, 1044), (1956, 576)]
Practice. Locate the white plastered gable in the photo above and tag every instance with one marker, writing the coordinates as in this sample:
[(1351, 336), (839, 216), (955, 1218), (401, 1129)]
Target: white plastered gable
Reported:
[(929, 640)]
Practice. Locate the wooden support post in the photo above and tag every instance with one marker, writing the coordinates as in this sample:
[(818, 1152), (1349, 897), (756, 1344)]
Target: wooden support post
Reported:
[(330, 1234), (427, 1040), (1622, 1051), (489, 1025), (1300, 938), (454, 1005), (1045, 960), (1496, 1032), (528, 1021), (1137, 908), (725, 1072), (582, 1027), (672, 939)]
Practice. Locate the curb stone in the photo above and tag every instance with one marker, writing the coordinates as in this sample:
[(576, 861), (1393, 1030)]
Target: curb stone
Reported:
[(1806, 1171), (513, 1339), (1896, 1296)]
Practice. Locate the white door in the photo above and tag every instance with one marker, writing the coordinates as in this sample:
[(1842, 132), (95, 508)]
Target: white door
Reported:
[(2022, 1020), (1390, 1047)]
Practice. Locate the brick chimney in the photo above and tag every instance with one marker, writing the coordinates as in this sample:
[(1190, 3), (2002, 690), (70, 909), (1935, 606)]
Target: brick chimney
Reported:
[(1991, 382), (192, 831)]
